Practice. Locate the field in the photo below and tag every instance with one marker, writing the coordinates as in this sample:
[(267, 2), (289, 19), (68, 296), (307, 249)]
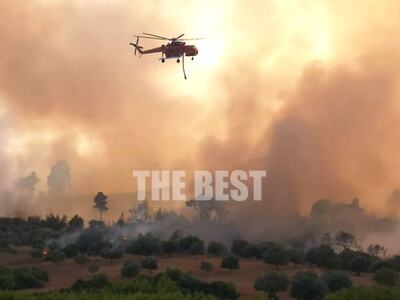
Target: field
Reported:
[(64, 275)]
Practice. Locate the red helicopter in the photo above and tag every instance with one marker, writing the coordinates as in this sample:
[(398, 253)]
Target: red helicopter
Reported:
[(176, 48)]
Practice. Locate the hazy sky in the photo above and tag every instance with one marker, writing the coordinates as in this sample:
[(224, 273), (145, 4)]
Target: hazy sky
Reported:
[(308, 90)]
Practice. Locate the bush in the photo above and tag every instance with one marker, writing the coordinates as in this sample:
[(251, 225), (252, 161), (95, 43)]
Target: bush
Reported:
[(130, 269), (359, 264), (337, 280), (170, 247), (150, 264), (387, 277), (197, 248), (71, 250), (29, 277), (275, 255), (97, 282), (206, 266), (230, 262), (56, 257), (144, 245), (111, 254), (307, 286), (238, 247), (366, 293), (295, 256), (216, 249), (187, 242), (272, 283)]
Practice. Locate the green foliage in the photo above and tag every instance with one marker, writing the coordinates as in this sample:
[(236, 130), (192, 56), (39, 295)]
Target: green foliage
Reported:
[(187, 242), (91, 241), (230, 262), (206, 266), (76, 223), (275, 255), (216, 249), (272, 283), (366, 293), (149, 263), (97, 282), (144, 245), (359, 264), (111, 253), (197, 248), (295, 256), (387, 277), (307, 286), (170, 247), (100, 203), (238, 246), (103, 295), (22, 278), (337, 280), (130, 269), (71, 250)]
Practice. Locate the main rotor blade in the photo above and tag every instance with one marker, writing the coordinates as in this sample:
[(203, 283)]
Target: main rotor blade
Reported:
[(161, 37), (194, 39), (177, 38), (148, 37)]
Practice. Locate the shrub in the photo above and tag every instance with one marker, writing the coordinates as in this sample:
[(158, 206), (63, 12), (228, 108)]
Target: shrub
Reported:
[(97, 282), (197, 248), (170, 247), (71, 250), (359, 263), (216, 249), (56, 257), (307, 286), (238, 247), (387, 277), (144, 245), (295, 256), (337, 280), (111, 254), (29, 277), (150, 264), (230, 262), (187, 242), (130, 269), (275, 255), (206, 266), (272, 283), (364, 293)]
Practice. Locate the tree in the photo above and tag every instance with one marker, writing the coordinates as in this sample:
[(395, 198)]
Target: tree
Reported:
[(76, 223), (307, 286), (238, 246), (359, 263), (71, 250), (386, 276), (144, 245), (216, 249), (100, 201), (376, 250), (275, 255), (295, 256), (130, 269), (272, 283), (337, 280), (206, 266), (197, 248), (230, 262), (187, 242), (111, 253), (81, 260), (346, 240), (170, 247), (150, 264), (311, 256)]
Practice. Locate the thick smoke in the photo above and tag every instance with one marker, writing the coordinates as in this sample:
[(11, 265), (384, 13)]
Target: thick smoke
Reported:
[(311, 100)]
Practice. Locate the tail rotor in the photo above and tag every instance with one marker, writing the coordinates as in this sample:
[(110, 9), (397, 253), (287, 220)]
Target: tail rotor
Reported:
[(136, 46)]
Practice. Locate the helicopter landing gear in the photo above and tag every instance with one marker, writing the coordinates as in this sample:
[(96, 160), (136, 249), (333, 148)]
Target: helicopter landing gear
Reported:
[(178, 60)]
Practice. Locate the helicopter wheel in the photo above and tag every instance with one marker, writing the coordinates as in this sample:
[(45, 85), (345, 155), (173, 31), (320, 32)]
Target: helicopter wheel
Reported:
[(178, 60), (192, 58), (163, 60)]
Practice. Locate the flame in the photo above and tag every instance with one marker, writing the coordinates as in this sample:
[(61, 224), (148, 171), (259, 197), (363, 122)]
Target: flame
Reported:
[(46, 252)]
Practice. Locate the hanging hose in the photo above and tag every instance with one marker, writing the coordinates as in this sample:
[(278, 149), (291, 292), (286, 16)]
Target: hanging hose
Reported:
[(183, 65)]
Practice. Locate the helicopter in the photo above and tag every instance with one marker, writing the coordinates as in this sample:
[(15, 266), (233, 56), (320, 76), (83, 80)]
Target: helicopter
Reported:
[(176, 48)]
